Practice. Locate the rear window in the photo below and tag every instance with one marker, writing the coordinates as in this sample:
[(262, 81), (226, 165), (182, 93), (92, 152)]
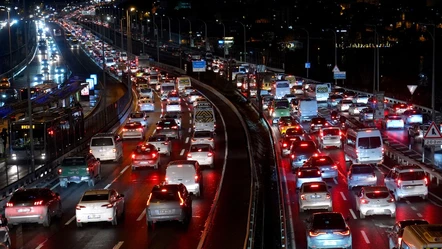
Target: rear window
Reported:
[(96, 197), (157, 139), (313, 188), (282, 85), (202, 134), (412, 176), (377, 195), (394, 117), (28, 195), (167, 88), (102, 141), (331, 132), (73, 162), (133, 126), (347, 101), (282, 104), (146, 90), (362, 170), (328, 221), (309, 173), (137, 115), (200, 148), (305, 148), (164, 196), (369, 142), (290, 132)]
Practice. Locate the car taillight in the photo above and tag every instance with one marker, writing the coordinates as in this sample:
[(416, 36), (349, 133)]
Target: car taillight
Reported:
[(133, 156), (174, 127), (314, 233), (181, 199), (365, 201), (159, 127), (140, 129), (9, 204), (398, 183), (196, 179), (303, 197), (154, 155), (114, 150), (318, 172), (189, 155), (391, 199), (284, 145), (124, 129), (327, 196), (426, 181), (292, 156), (210, 154), (110, 205), (299, 173), (210, 139), (79, 207), (38, 203), (90, 151), (193, 140), (87, 169), (60, 171), (344, 233), (383, 150)]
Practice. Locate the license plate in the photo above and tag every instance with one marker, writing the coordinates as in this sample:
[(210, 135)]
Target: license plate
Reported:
[(316, 196), (24, 210), (329, 243), (165, 211), (409, 187), (94, 216)]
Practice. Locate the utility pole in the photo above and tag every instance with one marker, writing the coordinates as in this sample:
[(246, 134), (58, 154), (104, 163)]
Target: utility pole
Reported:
[(104, 79)]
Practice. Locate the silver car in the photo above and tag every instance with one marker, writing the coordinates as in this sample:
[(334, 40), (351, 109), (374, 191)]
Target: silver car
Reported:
[(330, 137), (374, 201), (173, 106), (203, 137), (146, 105), (325, 164), (307, 174), (162, 143), (175, 116), (133, 130), (328, 230), (146, 93), (314, 195), (202, 153), (361, 175), (140, 117)]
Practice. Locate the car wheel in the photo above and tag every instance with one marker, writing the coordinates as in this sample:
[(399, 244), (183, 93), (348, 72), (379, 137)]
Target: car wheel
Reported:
[(47, 221), (361, 215), (79, 224)]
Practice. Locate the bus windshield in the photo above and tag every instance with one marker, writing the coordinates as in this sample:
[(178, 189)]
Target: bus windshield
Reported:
[(20, 139)]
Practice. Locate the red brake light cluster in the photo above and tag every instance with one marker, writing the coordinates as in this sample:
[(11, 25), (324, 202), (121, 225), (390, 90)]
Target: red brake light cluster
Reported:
[(9, 204), (365, 201), (79, 207), (38, 203), (110, 205)]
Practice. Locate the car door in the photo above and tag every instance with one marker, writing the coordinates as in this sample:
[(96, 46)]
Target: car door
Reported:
[(387, 179)]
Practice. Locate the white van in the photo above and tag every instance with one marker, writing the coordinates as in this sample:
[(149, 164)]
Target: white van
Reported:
[(307, 109), (421, 237), (204, 117), (183, 82), (363, 145), (106, 147), (186, 172), (282, 88)]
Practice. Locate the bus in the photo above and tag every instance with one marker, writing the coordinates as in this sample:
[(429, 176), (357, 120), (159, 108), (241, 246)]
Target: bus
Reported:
[(282, 88), (319, 91), (56, 131)]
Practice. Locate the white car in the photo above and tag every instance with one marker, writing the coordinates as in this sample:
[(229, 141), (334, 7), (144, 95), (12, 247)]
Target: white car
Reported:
[(133, 130), (307, 174), (140, 117), (98, 205), (145, 93), (175, 116), (162, 143), (146, 105), (344, 105), (375, 201), (393, 122), (314, 195), (203, 137), (173, 106), (355, 109), (360, 98), (202, 153)]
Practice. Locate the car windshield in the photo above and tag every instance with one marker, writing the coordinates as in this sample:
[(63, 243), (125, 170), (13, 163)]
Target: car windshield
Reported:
[(158, 196), (200, 148), (369, 142), (412, 176), (328, 221), (320, 161), (137, 115), (27, 195), (146, 90), (362, 170), (331, 132), (202, 134), (73, 162), (291, 132), (104, 141), (95, 197), (377, 194), (314, 188)]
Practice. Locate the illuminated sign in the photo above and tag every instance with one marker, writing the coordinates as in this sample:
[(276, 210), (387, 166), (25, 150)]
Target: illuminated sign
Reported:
[(27, 127)]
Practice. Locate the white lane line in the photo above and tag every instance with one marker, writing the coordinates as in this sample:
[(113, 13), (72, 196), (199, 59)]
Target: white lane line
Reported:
[(408, 202), (118, 245), (141, 215), (182, 152), (56, 185), (413, 208), (190, 115), (335, 181), (343, 196), (187, 140), (365, 237), (196, 216), (118, 176), (190, 121), (69, 221), (419, 214), (188, 108), (353, 214), (41, 244), (190, 129)]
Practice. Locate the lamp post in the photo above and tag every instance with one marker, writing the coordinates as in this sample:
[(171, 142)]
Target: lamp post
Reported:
[(308, 48), (104, 77), (170, 34), (9, 34), (205, 35), (224, 37), (158, 44), (129, 35), (433, 73), (122, 33), (245, 41), (190, 31), (375, 58), (336, 49)]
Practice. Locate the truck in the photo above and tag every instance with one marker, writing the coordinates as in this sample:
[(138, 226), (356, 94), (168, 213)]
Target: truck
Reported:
[(421, 237), (279, 108), (78, 169), (204, 117), (183, 82)]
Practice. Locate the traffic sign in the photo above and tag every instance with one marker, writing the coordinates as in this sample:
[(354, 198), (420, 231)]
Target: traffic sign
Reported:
[(307, 65), (433, 132), (199, 66), (336, 69), (412, 88), (340, 75), (433, 141)]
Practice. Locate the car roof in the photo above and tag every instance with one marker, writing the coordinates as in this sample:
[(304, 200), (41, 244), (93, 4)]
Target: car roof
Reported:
[(402, 168), (97, 192)]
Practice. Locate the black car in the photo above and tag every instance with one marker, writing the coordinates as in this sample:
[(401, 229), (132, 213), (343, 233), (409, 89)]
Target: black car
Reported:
[(317, 123), (168, 127)]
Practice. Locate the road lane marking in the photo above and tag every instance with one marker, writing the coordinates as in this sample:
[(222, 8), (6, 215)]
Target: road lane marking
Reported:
[(190, 129), (196, 216), (434, 203), (408, 202), (353, 214), (190, 115), (187, 140), (118, 176), (190, 121), (56, 185), (336, 181), (69, 221), (413, 208), (365, 237), (419, 214), (118, 245), (343, 196), (41, 244), (435, 196), (141, 215), (182, 152)]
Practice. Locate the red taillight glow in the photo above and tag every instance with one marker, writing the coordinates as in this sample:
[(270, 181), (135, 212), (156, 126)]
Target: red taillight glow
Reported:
[(159, 127), (327, 196), (133, 156), (140, 129), (60, 171), (398, 183), (426, 181), (344, 233), (124, 129), (284, 145), (189, 155), (364, 201), (181, 199), (292, 156), (314, 233), (154, 155), (303, 197), (79, 207), (174, 127), (210, 154), (335, 167), (38, 203), (110, 205), (9, 204), (391, 199), (299, 173)]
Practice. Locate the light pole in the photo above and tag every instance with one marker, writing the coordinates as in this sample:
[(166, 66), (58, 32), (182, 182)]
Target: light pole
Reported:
[(375, 58), (122, 33), (161, 26), (7, 9), (179, 31), (158, 44), (190, 31), (104, 76), (433, 73), (308, 48), (205, 35), (245, 41), (224, 37), (170, 34), (129, 35), (336, 49)]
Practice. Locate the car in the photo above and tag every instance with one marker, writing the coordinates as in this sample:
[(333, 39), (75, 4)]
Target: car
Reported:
[(361, 175), (173, 97), (33, 205), (366, 114), (406, 181), (188, 90), (5, 239), (202, 153), (328, 230), (169, 202), (317, 123), (187, 172), (133, 130), (343, 105), (100, 205), (393, 122), (146, 105), (356, 108), (360, 98), (266, 101), (330, 137), (145, 155), (395, 233), (285, 123), (162, 143), (77, 169), (294, 132), (375, 201), (287, 142), (325, 164), (146, 92), (140, 117), (203, 137), (413, 117), (168, 127), (4, 83), (307, 174), (349, 95), (314, 195), (400, 108), (301, 152), (39, 77), (193, 96), (175, 116), (333, 100), (173, 106)]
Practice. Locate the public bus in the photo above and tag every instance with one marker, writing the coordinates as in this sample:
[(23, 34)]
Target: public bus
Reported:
[(319, 91)]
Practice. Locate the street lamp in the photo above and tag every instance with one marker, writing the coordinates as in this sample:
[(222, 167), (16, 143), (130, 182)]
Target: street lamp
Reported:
[(9, 34), (129, 34), (245, 40), (190, 31), (205, 35), (224, 36), (122, 33), (158, 44), (336, 49), (375, 58), (433, 74), (179, 31), (308, 48), (170, 34)]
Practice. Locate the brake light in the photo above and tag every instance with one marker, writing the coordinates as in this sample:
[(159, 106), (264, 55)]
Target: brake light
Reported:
[(335, 167), (315, 186), (322, 159), (391, 199), (314, 233), (154, 155), (304, 145), (110, 205), (189, 155), (292, 156), (38, 203), (133, 156), (327, 196), (140, 129), (344, 233), (299, 173), (284, 145), (9, 204), (79, 207), (193, 140), (87, 169), (114, 150), (166, 143), (364, 201), (210, 154), (398, 183), (303, 197), (318, 172), (90, 151), (210, 139), (196, 179), (59, 171), (316, 154), (159, 127), (174, 127), (426, 181), (124, 129)]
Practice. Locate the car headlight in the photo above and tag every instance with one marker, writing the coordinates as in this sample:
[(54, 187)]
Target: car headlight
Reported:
[(14, 156)]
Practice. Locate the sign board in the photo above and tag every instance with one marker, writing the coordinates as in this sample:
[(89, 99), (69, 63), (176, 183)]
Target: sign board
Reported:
[(307, 65), (433, 132), (412, 88), (91, 83), (336, 69), (433, 141), (261, 68), (438, 118), (95, 78), (340, 75), (199, 66)]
